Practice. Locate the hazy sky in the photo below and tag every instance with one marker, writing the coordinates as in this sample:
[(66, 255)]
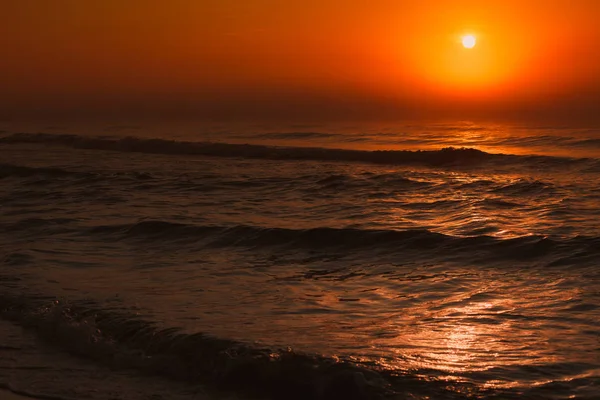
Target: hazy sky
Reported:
[(300, 60)]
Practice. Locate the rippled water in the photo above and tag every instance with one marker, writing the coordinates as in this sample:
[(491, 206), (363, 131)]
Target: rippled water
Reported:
[(431, 273)]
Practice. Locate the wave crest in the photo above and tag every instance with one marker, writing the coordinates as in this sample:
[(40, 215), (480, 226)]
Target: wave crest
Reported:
[(351, 240), (445, 157)]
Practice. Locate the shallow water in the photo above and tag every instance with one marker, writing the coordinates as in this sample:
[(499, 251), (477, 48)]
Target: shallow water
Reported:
[(456, 272)]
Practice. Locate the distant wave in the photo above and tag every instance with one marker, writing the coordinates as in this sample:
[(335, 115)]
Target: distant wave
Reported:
[(517, 188), (587, 143), (445, 157), (437, 245), (21, 171), (120, 128), (11, 170), (292, 135)]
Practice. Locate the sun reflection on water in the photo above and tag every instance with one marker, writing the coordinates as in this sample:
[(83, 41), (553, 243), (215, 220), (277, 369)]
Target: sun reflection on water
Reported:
[(481, 330)]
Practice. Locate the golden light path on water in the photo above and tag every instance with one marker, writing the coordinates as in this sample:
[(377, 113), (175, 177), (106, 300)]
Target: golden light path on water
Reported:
[(478, 331)]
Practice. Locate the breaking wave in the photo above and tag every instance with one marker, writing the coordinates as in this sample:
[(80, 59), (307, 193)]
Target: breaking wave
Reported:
[(437, 245), (449, 156), (429, 244), (123, 341)]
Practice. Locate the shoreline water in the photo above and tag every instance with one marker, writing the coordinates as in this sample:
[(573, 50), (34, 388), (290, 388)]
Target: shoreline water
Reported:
[(31, 368)]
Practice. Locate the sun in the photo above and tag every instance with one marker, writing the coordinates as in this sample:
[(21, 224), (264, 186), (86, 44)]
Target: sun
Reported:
[(469, 41)]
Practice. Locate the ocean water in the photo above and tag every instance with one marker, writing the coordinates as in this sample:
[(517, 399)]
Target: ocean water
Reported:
[(441, 261)]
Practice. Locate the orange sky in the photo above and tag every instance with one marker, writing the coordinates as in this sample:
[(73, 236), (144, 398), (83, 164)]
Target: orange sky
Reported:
[(326, 59)]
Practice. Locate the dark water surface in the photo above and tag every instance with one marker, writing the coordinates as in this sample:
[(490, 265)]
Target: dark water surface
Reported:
[(307, 262)]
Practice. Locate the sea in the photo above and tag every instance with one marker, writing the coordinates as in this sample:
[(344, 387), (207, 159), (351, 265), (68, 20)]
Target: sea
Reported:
[(401, 261)]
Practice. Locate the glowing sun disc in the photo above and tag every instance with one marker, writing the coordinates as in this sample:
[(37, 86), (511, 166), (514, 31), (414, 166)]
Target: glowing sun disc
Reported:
[(469, 41)]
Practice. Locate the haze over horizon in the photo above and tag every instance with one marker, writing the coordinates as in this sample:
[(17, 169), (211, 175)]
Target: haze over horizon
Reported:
[(263, 60)]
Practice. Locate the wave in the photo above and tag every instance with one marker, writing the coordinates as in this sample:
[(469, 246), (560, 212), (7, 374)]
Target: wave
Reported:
[(387, 180), (586, 143), (445, 157), (292, 135), (125, 341), (437, 245), (11, 170), (524, 187), (21, 171)]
